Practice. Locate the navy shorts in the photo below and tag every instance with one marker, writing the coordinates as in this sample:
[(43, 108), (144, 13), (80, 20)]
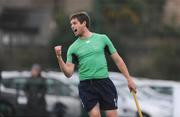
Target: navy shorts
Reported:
[(100, 91)]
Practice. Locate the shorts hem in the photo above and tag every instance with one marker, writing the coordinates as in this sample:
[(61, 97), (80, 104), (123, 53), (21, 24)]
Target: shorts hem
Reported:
[(110, 108), (90, 108)]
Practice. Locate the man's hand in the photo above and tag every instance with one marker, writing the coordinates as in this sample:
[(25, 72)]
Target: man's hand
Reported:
[(131, 85), (58, 50)]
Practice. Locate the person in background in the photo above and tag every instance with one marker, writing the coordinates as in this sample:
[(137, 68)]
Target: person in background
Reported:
[(35, 89), (0, 74)]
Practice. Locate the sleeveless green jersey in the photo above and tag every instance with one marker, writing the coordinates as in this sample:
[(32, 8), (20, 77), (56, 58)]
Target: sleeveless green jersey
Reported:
[(89, 55)]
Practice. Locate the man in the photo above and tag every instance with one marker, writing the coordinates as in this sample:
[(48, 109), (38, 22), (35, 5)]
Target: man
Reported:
[(96, 90), (35, 89)]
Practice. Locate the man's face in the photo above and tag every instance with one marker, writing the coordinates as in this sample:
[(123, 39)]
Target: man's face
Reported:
[(77, 27)]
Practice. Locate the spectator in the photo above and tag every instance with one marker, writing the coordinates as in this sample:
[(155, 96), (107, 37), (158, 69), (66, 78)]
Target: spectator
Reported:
[(0, 74), (35, 89)]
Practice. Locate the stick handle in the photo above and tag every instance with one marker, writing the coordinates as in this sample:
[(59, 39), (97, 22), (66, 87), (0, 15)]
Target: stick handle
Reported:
[(137, 104)]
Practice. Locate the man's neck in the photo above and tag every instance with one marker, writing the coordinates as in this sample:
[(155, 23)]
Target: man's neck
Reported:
[(86, 34)]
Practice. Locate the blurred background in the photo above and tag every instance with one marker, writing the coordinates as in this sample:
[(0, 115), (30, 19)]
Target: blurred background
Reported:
[(146, 33)]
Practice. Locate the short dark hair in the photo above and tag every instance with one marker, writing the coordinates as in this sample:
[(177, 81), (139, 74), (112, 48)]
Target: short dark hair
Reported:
[(36, 66), (81, 16)]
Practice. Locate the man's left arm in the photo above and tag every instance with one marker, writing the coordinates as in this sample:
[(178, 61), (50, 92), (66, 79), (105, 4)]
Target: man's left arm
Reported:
[(122, 67)]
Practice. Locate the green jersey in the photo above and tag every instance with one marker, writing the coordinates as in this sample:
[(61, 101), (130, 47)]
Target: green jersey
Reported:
[(89, 55)]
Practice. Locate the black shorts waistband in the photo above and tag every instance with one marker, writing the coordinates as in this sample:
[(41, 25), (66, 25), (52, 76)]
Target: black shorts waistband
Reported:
[(93, 80)]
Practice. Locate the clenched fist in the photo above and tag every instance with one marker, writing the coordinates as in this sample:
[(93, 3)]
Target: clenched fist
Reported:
[(58, 50)]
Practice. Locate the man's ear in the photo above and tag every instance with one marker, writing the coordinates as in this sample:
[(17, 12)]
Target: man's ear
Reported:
[(84, 23)]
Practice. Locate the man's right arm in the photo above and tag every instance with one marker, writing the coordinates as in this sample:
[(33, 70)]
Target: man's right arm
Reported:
[(66, 68)]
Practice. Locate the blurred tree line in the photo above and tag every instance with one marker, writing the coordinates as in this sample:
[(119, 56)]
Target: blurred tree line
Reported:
[(129, 23)]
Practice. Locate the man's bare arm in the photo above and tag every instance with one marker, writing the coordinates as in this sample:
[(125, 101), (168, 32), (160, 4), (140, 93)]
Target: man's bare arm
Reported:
[(122, 67), (66, 68)]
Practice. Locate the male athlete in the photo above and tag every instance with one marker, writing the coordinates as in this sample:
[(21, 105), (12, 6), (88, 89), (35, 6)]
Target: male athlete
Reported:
[(96, 90)]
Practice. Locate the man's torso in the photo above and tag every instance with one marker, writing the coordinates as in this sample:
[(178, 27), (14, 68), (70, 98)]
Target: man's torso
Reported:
[(90, 57)]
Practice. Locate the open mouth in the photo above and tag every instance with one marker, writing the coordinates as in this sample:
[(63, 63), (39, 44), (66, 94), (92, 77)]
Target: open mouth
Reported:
[(75, 30)]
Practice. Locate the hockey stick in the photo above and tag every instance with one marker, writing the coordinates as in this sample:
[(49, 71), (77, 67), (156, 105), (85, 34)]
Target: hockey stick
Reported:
[(137, 104)]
